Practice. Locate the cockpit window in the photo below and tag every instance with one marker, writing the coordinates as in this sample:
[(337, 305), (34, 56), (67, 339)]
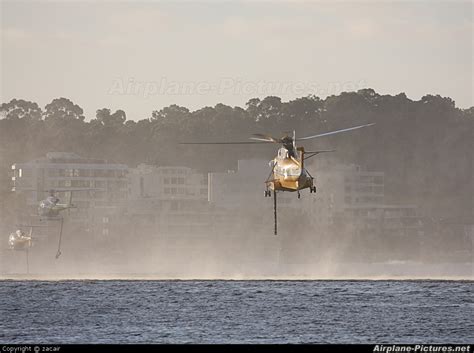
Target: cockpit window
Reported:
[(283, 153)]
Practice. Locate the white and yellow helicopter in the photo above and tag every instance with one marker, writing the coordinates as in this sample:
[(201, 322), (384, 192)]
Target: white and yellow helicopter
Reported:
[(288, 171)]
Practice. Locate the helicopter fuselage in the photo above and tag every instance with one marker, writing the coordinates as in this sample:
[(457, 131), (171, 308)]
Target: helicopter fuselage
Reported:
[(289, 173), (51, 208), (19, 241)]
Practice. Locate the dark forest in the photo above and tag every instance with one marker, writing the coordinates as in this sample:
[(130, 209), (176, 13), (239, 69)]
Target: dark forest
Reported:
[(424, 147)]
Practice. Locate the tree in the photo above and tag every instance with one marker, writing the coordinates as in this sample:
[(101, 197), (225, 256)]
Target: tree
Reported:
[(63, 109), (424, 147), (172, 114), (21, 109), (116, 119)]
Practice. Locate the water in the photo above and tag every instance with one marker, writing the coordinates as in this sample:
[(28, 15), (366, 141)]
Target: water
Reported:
[(236, 312)]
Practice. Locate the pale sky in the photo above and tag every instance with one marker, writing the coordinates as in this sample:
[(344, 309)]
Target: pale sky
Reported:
[(142, 56)]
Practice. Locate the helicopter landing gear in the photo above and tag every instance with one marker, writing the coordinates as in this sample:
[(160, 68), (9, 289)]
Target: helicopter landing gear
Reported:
[(268, 193), (299, 195), (312, 189)]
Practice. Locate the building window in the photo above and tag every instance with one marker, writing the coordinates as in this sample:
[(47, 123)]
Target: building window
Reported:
[(84, 172), (80, 183)]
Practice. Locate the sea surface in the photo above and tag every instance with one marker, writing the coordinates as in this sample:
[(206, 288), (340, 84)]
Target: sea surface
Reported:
[(108, 311)]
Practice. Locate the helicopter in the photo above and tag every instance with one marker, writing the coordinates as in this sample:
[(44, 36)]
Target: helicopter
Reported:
[(51, 208), (288, 172), (21, 241)]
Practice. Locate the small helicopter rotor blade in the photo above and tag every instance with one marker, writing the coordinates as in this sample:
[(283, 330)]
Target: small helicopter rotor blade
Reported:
[(335, 132), (30, 225), (73, 189), (55, 191)]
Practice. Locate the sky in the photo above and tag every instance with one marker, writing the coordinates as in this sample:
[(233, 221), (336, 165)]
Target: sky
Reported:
[(143, 56)]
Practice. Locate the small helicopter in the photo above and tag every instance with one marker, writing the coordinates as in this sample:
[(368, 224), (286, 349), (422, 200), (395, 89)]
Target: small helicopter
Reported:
[(21, 241), (288, 172), (50, 208)]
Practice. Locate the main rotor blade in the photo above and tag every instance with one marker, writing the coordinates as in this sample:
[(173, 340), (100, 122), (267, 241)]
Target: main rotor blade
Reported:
[(224, 143), (266, 138), (322, 151), (334, 132), (263, 140), (71, 189)]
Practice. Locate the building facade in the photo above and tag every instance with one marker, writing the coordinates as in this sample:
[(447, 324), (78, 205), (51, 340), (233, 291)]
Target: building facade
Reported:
[(169, 199), (62, 170)]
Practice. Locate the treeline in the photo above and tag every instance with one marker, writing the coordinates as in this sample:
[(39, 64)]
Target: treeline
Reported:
[(424, 147)]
